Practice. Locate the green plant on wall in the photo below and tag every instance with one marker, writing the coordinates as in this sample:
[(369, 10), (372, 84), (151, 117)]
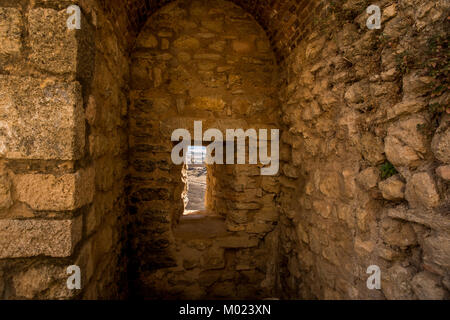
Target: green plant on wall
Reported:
[(387, 170), (437, 64), (423, 128)]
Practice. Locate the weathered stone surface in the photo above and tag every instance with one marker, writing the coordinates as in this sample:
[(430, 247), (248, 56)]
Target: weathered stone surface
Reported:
[(330, 184), (237, 241), (357, 92), (209, 103), (337, 113), (213, 259), (405, 107), (441, 146), (5, 189), (238, 216), (2, 283), (10, 31), (368, 178), (302, 234), (290, 171), (165, 44), (42, 282), (224, 289), (415, 85), (364, 248), (218, 46), (242, 47), (313, 256), (314, 47), (53, 47), (49, 192), (40, 119), (147, 41), (426, 217), (372, 148), (267, 214), (393, 188), (389, 75), (322, 208), (436, 249), (405, 145), (426, 286), (207, 56), (186, 43), (397, 233), (28, 238), (421, 191), (260, 227), (396, 283), (444, 172), (215, 25)]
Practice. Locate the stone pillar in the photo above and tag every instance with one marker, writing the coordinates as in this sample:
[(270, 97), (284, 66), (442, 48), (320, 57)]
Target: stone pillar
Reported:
[(45, 185)]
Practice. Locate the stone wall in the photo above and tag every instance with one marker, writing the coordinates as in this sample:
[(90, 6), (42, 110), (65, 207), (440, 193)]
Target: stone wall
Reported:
[(286, 22), (85, 170), (63, 103), (197, 61), (366, 144)]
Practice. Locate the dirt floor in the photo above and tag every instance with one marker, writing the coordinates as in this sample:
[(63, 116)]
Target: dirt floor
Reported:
[(196, 189)]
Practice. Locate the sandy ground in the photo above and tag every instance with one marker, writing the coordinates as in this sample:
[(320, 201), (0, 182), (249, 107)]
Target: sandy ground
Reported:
[(197, 187)]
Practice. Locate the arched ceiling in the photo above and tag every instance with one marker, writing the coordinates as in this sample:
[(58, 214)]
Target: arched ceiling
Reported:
[(285, 21)]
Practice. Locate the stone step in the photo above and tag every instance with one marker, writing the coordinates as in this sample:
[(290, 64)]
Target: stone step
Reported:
[(200, 225)]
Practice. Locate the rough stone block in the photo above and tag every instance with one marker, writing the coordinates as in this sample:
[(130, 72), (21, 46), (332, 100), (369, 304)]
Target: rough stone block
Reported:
[(49, 192), (28, 238), (364, 248), (186, 43), (147, 41), (405, 107), (53, 46), (242, 47), (40, 119), (43, 281), (397, 233), (441, 146), (237, 241), (322, 208), (10, 31), (213, 259), (259, 227), (437, 250), (356, 93), (397, 283), (444, 172), (415, 85), (372, 148), (5, 189), (369, 178), (405, 144), (2, 283), (428, 218), (421, 191), (392, 188), (426, 286)]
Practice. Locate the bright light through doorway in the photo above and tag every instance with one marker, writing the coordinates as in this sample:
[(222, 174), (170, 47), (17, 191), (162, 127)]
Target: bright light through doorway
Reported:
[(196, 180)]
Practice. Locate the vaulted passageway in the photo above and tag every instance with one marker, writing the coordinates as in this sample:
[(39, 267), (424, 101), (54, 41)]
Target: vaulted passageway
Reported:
[(87, 179), (210, 62)]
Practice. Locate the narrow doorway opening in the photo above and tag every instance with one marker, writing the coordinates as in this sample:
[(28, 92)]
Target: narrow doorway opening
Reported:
[(196, 180)]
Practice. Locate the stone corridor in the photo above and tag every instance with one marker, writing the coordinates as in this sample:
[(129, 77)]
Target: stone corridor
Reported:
[(87, 179)]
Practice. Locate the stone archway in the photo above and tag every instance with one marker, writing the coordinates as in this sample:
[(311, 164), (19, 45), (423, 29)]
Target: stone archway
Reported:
[(210, 62), (364, 152)]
